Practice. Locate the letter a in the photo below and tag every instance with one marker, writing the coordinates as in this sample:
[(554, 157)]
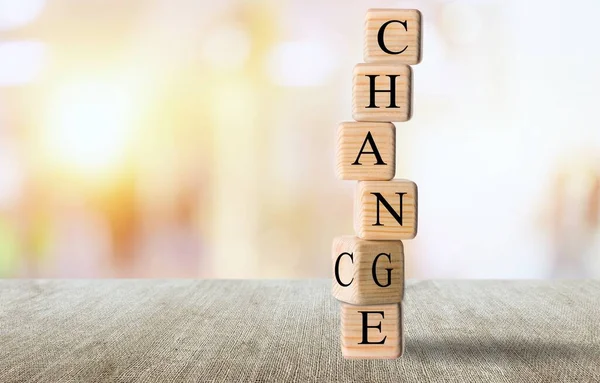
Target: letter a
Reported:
[(375, 151)]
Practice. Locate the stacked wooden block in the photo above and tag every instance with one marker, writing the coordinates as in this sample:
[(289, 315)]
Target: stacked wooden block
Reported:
[(369, 267)]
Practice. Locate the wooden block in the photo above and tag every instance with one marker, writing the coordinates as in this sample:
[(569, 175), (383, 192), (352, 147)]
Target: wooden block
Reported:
[(382, 92), (367, 272), (366, 151), (393, 36), (372, 332), (386, 209)]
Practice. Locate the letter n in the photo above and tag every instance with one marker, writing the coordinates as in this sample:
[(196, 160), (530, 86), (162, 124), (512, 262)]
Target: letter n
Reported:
[(396, 214)]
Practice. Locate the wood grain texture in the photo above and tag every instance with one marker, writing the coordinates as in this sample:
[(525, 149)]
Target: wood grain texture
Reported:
[(350, 139), (395, 37), (361, 93), (391, 329), (365, 210), (358, 271)]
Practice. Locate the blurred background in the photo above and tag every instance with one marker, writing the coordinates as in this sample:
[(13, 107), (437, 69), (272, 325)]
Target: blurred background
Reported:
[(152, 138)]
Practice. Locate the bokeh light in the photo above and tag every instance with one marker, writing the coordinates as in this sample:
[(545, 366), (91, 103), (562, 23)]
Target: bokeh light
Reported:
[(14, 14), (89, 124), (21, 61), (196, 138)]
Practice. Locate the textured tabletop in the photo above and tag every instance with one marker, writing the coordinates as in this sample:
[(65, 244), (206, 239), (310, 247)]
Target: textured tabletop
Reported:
[(186, 330)]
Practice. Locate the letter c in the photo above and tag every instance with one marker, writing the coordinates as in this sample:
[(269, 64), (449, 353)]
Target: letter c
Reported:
[(381, 32), (337, 269)]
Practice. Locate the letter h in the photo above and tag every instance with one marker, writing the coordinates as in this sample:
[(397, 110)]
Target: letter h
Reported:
[(372, 90)]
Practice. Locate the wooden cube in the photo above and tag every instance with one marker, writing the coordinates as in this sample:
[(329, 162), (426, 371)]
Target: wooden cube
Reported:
[(386, 209), (372, 332), (382, 92), (367, 272), (393, 36), (366, 151)]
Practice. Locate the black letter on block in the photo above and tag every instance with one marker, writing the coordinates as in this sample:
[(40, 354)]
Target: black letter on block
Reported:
[(392, 90), (389, 271), (337, 269), (382, 31), (397, 217), (375, 151), (365, 327)]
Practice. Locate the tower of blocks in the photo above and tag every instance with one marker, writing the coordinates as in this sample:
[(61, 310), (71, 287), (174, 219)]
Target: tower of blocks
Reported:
[(368, 267)]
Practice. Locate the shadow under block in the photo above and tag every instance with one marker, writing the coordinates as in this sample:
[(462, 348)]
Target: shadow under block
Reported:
[(382, 92), (367, 272), (371, 332), (393, 36), (385, 210), (366, 151)]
